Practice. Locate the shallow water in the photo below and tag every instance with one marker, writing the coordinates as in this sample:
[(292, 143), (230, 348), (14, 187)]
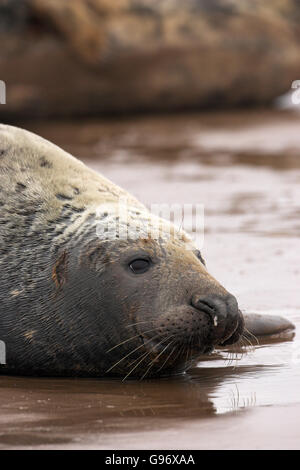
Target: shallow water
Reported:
[(245, 169)]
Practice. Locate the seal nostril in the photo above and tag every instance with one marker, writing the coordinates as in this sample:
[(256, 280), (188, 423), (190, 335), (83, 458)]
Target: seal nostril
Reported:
[(204, 305), (214, 306)]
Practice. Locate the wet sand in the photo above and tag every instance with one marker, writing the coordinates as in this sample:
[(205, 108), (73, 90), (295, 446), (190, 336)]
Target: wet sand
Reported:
[(245, 169)]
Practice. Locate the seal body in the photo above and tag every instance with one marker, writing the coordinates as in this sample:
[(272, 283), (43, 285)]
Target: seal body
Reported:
[(90, 287)]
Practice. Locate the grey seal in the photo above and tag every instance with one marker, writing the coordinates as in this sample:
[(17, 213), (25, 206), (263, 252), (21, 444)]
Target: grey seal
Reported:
[(80, 293)]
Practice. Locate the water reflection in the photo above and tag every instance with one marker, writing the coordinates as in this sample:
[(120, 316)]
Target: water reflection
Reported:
[(48, 411), (59, 411)]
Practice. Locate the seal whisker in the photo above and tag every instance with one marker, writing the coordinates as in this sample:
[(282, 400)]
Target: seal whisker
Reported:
[(230, 358), (155, 359), (191, 342), (252, 335), (108, 370), (241, 344), (144, 357), (233, 354), (188, 351), (129, 339), (138, 323), (187, 354), (251, 347), (244, 348), (162, 366), (178, 354), (238, 356)]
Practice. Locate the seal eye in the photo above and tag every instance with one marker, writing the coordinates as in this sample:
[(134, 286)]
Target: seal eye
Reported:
[(139, 266)]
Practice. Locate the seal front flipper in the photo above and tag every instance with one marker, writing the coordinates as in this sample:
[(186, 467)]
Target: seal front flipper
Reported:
[(273, 326)]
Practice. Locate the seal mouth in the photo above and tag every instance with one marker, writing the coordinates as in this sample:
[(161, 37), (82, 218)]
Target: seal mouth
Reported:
[(170, 354), (176, 340)]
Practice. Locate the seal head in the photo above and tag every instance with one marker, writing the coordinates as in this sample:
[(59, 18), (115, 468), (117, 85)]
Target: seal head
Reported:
[(165, 309)]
